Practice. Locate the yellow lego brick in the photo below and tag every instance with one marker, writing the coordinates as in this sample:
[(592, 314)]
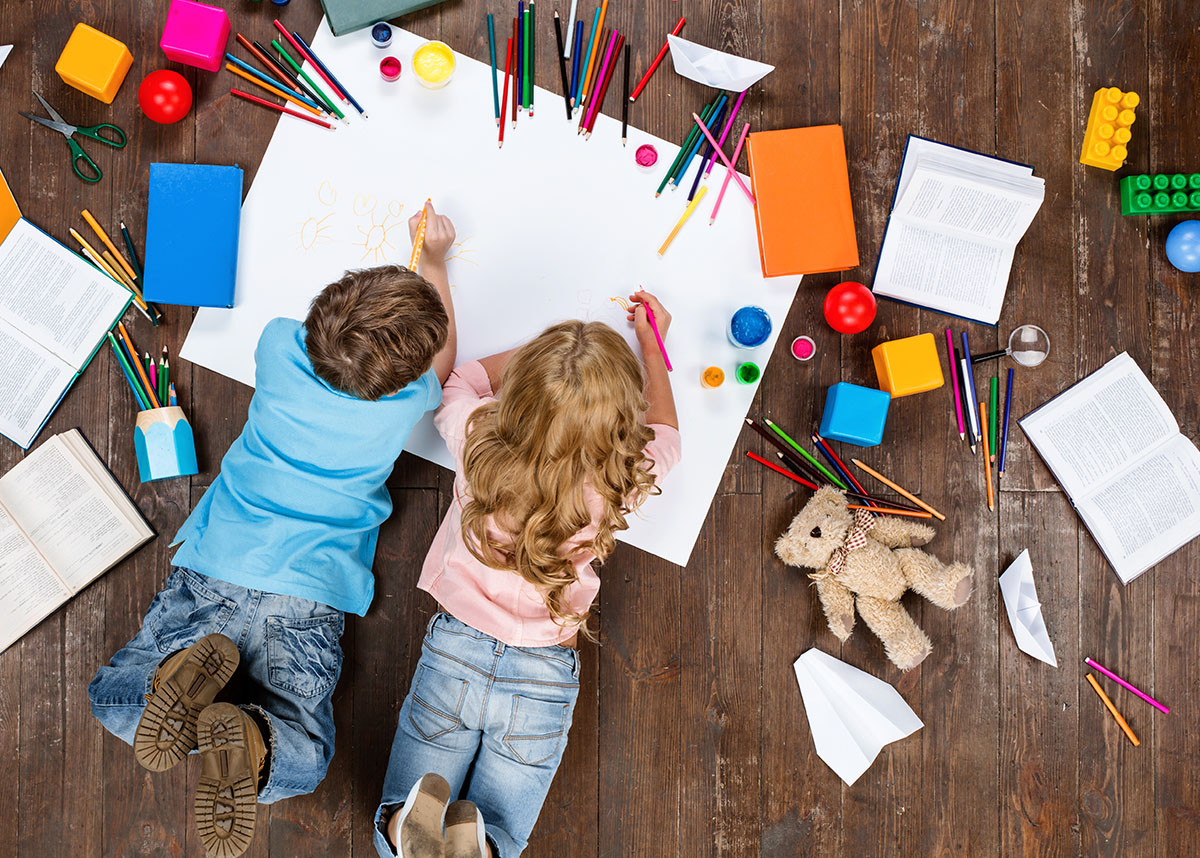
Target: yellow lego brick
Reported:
[(1106, 140), (94, 63), (908, 366)]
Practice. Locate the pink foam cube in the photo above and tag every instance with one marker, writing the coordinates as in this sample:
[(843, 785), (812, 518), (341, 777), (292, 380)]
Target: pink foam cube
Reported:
[(195, 34)]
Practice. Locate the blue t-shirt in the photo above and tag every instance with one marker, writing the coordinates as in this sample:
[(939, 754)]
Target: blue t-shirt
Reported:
[(297, 506)]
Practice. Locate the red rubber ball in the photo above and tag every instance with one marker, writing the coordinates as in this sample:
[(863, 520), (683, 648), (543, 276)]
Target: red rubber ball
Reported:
[(165, 96), (850, 308)]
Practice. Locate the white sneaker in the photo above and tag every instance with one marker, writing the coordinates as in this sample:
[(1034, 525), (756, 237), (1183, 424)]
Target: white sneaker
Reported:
[(416, 829)]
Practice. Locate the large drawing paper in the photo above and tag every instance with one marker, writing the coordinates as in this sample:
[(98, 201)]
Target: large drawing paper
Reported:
[(549, 228)]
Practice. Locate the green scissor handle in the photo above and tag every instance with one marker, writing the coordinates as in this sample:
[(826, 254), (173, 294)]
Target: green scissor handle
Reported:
[(116, 139), (77, 155)]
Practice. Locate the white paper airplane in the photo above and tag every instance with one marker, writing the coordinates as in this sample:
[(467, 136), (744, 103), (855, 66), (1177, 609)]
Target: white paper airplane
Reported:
[(852, 714), (5, 50), (1025, 611), (715, 68)]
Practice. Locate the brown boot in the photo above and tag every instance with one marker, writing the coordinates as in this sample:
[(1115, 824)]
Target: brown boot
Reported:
[(232, 753), (465, 834), (184, 683)]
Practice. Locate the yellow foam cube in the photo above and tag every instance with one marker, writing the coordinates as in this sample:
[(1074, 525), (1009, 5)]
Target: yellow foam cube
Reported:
[(908, 366), (94, 63)]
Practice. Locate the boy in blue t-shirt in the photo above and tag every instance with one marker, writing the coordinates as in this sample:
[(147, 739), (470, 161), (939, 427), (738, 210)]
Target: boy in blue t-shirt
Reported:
[(282, 544)]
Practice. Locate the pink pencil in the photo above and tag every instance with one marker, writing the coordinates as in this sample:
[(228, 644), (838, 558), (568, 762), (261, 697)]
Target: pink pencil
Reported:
[(725, 131), (724, 158), (954, 377), (1125, 684), (728, 173), (654, 327), (603, 69)]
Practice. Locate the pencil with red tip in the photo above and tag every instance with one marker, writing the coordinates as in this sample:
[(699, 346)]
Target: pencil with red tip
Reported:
[(604, 80), (729, 173), (601, 68), (779, 469), (337, 90), (657, 59), (837, 462), (504, 101), (273, 106)]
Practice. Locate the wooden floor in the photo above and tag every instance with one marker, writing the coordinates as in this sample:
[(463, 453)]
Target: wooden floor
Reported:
[(690, 736)]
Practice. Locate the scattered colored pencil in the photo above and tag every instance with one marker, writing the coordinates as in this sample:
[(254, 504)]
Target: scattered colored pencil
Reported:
[(832, 461), (492, 52), (708, 153), (898, 489), (721, 153), (94, 255), (152, 371), (1113, 709), (258, 80), (687, 144), (964, 378), (657, 336), (419, 240), (589, 78), (625, 99), (687, 213), (571, 22), (143, 403), (133, 257), (325, 99), (658, 58), (972, 399), (781, 470), (562, 64), (532, 56), (527, 72), (713, 118), (786, 453), (575, 62), (794, 465), (327, 74), (516, 99), (279, 81), (994, 415), (520, 73), (837, 462), (607, 42), (284, 73), (248, 97), (504, 101), (737, 106), (616, 42), (1126, 685), (96, 228), (952, 354), (987, 467), (301, 48), (267, 81), (141, 373), (587, 55), (116, 266), (1007, 412), (729, 173), (883, 510), (812, 460)]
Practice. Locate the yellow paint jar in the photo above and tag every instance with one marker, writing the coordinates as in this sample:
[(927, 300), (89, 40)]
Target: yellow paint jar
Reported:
[(433, 64)]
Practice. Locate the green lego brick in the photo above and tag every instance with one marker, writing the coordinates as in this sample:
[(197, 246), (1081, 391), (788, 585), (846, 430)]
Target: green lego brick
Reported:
[(1160, 193)]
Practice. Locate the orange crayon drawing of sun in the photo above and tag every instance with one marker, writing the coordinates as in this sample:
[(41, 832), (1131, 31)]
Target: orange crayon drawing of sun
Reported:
[(377, 234)]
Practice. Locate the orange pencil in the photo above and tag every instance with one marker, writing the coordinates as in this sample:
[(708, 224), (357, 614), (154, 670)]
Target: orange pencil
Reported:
[(886, 511), (898, 489), (1113, 710), (96, 228), (596, 40), (987, 467), (266, 63), (272, 89), (138, 366)]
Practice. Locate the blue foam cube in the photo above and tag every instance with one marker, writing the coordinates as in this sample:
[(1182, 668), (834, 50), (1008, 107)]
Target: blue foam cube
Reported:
[(854, 414)]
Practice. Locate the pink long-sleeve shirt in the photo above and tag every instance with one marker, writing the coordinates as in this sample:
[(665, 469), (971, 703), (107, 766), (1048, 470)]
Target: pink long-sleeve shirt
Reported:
[(495, 601)]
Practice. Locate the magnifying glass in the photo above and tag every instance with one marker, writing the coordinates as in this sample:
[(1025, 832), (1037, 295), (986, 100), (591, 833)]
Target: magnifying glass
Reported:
[(1028, 345)]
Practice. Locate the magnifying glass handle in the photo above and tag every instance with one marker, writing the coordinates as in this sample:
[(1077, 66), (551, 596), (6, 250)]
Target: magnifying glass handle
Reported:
[(987, 356)]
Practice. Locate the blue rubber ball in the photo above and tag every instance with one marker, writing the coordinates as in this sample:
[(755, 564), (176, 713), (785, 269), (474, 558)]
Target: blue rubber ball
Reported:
[(1183, 246)]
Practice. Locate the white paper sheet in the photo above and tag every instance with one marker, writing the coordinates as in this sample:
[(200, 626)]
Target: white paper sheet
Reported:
[(852, 714), (550, 227), (1025, 611), (715, 68)]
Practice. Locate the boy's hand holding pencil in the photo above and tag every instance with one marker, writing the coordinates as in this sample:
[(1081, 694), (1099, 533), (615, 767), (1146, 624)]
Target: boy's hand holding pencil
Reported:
[(439, 234)]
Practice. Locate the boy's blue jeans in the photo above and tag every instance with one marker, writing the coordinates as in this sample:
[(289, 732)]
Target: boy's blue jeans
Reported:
[(491, 716), (290, 652)]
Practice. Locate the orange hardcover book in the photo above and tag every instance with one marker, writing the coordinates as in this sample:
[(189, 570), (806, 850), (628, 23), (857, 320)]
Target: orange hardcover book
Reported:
[(805, 223)]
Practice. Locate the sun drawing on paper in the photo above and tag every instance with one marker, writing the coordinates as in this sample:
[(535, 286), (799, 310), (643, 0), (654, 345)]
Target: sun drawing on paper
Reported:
[(377, 234)]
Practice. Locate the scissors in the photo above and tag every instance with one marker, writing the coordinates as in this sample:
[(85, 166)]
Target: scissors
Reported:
[(69, 131)]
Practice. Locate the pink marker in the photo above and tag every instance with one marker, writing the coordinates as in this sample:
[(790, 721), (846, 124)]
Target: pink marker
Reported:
[(954, 377), (654, 327), (1122, 682)]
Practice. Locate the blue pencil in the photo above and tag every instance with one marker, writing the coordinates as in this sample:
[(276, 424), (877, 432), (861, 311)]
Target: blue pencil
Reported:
[(317, 62), (587, 57), (492, 51), (700, 140), (708, 153), (575, 61), (137, 393), (273, 82), (971, 389), (1007, 410)]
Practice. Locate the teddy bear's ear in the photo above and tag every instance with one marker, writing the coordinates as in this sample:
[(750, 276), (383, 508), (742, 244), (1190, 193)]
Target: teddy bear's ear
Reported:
[(829, 495)]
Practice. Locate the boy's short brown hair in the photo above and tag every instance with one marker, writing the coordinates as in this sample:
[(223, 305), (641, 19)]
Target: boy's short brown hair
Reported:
[(375, 331)]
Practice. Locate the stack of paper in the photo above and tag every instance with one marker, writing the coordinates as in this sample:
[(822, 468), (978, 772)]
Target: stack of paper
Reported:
[(1025, 611)]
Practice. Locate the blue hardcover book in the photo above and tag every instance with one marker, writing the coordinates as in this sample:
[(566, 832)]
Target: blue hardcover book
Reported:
[(192, 234)]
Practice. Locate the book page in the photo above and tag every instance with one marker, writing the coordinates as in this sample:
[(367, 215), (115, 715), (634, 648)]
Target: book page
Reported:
[(1149, 511), (919, 151), (68, 517), (1100, 426), (29, 589), (32, 380), (54, 297), (966, 206)]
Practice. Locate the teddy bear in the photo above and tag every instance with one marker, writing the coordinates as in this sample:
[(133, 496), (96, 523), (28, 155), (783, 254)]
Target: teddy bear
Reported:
[(867, 562)]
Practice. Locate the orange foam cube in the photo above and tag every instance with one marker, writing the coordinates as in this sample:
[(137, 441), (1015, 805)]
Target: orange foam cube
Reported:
[(94, 63), (1106, 140), (908, 366)]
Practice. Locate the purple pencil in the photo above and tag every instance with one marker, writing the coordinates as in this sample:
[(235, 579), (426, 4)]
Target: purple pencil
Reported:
[(1126, 685), (954, 377), (595, 102), (737, 105)]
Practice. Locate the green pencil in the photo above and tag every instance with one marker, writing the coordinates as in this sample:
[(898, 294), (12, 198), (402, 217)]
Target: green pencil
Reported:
[(687, 145), (528, 61), (829, 475), (143, 403), (532, 55), (993, 411), (287, 58)]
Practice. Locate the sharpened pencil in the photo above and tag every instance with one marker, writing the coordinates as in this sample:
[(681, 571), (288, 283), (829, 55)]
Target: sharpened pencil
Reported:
[(262, 101), (721, 153), (562, 64), (687, 144), (1108, 704), (274, 90), (898, 489), (300, 47), (812, 460), (326, 73), (625, 100), (1007, 411), (987, 465), (952, 354), (139, 397), (491, 25), (728, 173), (658, 58), (687, 213), (781, 470), (883, 510), (325, 99), (504, 101), (99, 230)]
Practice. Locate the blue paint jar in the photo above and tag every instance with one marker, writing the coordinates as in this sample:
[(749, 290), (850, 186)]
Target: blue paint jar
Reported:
[(749, 328), (381, 34)]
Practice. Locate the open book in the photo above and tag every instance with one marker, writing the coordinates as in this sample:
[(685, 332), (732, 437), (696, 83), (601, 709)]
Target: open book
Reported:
[(1116, 449), (54, 311), (955, 223), (64, 521)]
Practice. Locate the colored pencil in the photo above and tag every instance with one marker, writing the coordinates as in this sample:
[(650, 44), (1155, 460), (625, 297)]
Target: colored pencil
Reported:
[(325, 99), (952, 354), (786, 453), (571, 22), (138, 366), (587, 55), (812, 460), (994, 415), (132, 363), (143, 404), (91, 252), (737, 106), (271, 70), (831, 461), (562, 64), (520, 74), (898, 489), (116, 266), (601, 78), (1113, 709), (794, 465), (781, 470), (301, 49), (657, 336), (604, 84), (532, 56), (589, 79), (687, 144), (1126, 685), (283, 72), (721, 153), (328, 75), (707, 154), (166, 371), (713, 119), (96, 228), (728, 173), (274, 90), (174, 399), (972, 399), (965, 378), (837, 462), (516, 99), (492, 52), (273, 106), (687, 213), (133, 257), (575, 62), (625, 99), (527, 60), (1007, 411), (882, 510), (987, 466), (504, 101), (657, 59), (151, 370), (419, 240)]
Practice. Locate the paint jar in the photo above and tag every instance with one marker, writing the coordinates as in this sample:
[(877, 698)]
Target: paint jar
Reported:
[(646, 155), (433, 63), (712, 378), (164, 445), (749, 328), (381, 34), (803, 348), (389, 69), (748, 373)]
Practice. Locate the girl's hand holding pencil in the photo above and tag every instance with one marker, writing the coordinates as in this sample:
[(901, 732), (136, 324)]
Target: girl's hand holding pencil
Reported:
[(642, 301)]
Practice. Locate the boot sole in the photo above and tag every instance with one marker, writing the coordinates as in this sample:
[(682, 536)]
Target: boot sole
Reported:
[(226, 803), (166, 732), (421, 827), (465, 837)]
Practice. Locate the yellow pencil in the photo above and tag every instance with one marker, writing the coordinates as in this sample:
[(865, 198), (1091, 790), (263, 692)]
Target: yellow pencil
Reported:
[(96, 228), (1113, 710), (987, 467), (272, 89), (587, 78), (98, 262), (419, 240), (687, 213), (116, 266), (896, 488)]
